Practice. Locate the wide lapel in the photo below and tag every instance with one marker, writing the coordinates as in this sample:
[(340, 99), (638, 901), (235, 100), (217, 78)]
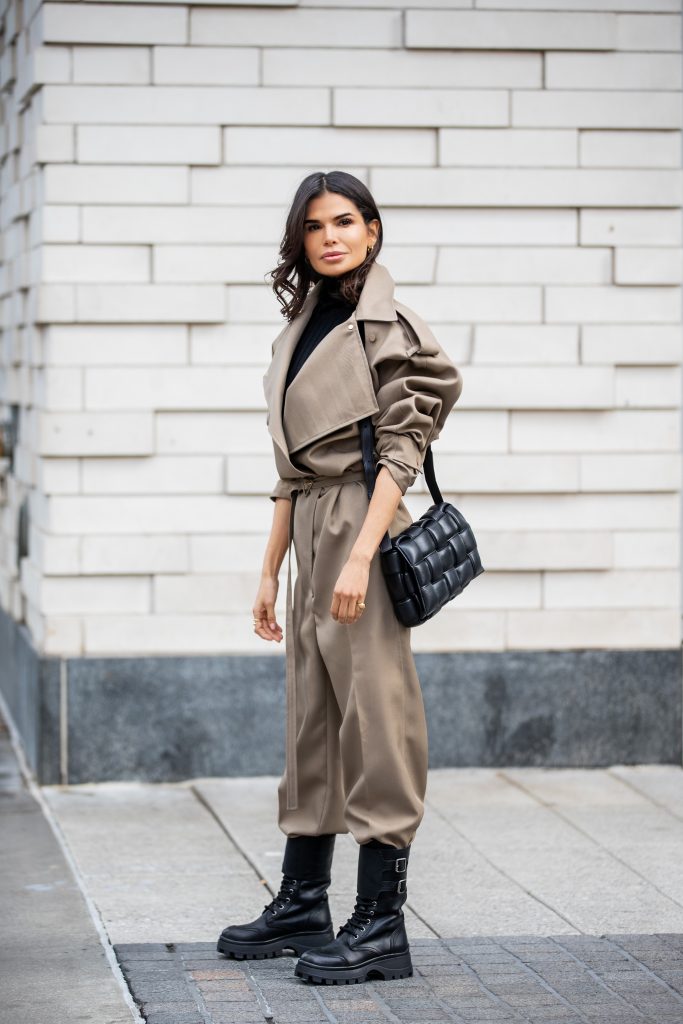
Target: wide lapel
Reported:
[(332, 389), (319, 405), (276, 375)]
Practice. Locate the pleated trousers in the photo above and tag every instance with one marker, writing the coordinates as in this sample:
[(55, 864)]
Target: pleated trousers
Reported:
[(361, 744)]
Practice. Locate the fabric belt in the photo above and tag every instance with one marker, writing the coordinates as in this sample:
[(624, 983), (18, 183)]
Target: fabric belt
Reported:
[(305, 484)]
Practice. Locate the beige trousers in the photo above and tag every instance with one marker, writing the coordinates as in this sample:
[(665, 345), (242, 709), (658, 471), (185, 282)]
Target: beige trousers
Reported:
[(361, 734)]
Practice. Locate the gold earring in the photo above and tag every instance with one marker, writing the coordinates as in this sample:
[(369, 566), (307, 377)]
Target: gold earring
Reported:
[(370, 248)]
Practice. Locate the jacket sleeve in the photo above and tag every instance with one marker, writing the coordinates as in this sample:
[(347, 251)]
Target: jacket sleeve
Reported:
[(281, 490), (416, 385)]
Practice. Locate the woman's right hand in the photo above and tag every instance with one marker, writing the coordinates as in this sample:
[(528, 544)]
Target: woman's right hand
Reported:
[(266, 625)]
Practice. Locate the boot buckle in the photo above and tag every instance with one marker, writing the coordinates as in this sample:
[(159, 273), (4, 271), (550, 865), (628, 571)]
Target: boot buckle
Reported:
[(401, 887), (401, 864)]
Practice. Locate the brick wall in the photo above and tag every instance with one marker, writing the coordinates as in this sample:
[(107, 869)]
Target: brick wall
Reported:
[(527, 166)]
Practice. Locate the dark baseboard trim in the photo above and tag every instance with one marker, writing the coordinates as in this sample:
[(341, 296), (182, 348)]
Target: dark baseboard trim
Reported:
[(163, 719)]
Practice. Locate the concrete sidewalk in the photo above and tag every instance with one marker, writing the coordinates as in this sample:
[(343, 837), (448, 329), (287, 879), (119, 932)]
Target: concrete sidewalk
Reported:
[(55, 968), (499, 852), (533, 896)]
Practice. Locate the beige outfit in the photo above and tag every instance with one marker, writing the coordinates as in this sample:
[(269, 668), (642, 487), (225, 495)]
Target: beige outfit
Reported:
[(356, 750)]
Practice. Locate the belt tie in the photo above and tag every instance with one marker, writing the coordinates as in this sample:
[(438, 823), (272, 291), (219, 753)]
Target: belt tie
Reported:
[(305, 484)]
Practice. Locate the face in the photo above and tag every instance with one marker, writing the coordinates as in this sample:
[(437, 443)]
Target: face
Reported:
[(334, 225)]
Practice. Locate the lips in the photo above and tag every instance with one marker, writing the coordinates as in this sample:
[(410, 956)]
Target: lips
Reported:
[(328, 255)]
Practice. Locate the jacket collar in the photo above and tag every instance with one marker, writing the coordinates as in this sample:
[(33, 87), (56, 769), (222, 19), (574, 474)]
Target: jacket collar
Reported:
[(376, 300)]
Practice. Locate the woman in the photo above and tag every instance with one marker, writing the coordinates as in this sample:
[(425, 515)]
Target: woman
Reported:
[(356, 750)]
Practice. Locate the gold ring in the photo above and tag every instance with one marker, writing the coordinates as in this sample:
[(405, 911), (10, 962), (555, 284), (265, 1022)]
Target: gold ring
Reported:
[(361, 604)]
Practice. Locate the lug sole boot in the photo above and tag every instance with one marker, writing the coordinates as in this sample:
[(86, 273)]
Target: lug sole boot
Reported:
[(298, 918), (373, 942)]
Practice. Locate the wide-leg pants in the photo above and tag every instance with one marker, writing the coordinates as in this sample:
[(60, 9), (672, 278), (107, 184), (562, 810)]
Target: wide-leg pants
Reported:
[(361, 734)]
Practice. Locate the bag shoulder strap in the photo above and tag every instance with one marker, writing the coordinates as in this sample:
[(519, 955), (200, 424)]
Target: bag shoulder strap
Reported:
[(367, 435)]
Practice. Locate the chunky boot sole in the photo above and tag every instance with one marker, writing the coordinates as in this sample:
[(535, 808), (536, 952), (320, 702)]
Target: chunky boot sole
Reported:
[(299, 942), (389, 966)]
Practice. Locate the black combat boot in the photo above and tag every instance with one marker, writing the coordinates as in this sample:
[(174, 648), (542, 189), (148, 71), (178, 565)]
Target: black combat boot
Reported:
[(373, 941), (299, 916)]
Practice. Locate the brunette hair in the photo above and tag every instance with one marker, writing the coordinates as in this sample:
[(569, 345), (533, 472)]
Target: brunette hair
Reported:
[(293, 275)]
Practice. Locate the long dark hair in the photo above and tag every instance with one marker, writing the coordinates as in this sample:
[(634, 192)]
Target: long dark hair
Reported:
[(293, 275)]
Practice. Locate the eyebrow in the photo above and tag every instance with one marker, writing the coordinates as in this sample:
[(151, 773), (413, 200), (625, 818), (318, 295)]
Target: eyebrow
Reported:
[(312, 220)]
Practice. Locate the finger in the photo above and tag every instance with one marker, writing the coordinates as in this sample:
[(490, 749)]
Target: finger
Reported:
[(259, 624), (347, 610), (270, 617), (265, 633)]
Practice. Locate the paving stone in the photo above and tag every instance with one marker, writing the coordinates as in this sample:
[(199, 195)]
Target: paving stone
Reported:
[(565, 979)]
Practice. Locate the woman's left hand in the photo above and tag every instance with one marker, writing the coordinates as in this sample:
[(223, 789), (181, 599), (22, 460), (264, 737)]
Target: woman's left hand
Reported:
[(350, 588)]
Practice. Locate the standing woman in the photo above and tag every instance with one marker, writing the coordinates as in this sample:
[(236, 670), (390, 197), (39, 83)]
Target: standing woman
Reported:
[(356, 738)]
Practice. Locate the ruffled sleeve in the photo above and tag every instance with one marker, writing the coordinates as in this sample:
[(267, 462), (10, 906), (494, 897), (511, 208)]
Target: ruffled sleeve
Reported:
[(416, 385)]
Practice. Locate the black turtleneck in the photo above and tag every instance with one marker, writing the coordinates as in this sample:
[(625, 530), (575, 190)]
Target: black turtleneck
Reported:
[(330, 310)]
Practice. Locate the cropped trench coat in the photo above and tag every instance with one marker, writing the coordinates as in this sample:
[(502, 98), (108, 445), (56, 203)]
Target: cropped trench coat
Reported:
[(356, 738)]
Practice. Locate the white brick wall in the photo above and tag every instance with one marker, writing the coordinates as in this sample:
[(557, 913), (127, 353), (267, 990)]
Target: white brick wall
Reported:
[(525, 155)]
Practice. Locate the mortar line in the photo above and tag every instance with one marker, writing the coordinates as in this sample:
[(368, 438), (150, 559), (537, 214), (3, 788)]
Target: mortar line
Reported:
[(264, 1005), (648, 970), (325, 1009), (596, 976), (546, 984), (452, 1012), (384, 1007), (514, 1010)]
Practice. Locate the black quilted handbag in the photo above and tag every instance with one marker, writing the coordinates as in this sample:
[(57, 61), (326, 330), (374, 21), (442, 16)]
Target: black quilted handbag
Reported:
[(432, 560)]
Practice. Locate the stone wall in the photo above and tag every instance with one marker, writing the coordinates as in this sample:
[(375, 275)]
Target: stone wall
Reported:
[(527, 167)]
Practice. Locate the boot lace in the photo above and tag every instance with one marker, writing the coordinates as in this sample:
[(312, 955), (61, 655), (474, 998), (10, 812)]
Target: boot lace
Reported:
[(287, 888), (360, 918)]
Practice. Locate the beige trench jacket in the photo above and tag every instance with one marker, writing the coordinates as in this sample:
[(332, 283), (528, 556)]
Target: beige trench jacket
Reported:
[(404, 380)]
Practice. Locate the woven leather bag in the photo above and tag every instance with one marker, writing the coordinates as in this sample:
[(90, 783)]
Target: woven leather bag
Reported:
[(430, 562)]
